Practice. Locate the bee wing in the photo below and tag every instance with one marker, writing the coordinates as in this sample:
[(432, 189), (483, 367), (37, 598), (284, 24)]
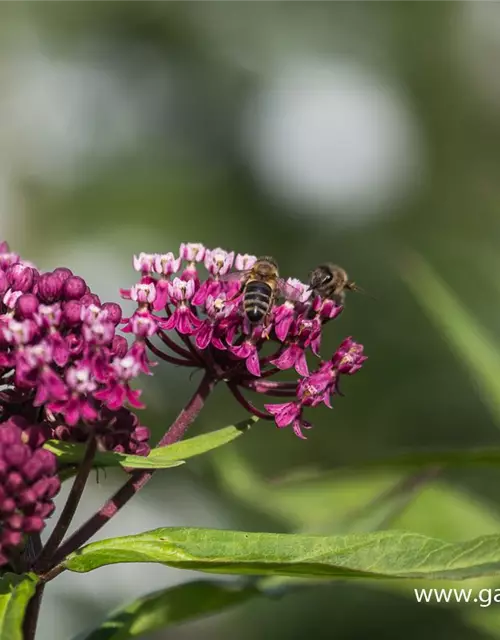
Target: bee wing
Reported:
[(235, 276), (289, 291)]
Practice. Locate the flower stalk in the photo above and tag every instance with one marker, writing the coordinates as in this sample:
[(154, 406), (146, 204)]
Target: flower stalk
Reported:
[(70, 507), (138, 479)]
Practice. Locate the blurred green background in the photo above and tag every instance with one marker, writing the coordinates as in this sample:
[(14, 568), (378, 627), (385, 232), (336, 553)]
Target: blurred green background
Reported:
[(353, 132)]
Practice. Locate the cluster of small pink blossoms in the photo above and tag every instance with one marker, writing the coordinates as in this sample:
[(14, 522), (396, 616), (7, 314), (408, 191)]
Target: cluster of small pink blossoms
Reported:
[(197, 320), (61, 361)]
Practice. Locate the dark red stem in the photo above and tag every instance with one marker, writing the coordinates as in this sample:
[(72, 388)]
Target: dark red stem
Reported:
[(31, 615), (45, 554), (284, 393), (171, 344), (69, 510), (168, 358), (270, 372), (264, 385), (247, 404), (138, 479)]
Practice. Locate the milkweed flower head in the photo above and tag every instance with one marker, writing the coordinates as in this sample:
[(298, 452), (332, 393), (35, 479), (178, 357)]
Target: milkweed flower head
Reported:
[(62, 361), (190, 313)]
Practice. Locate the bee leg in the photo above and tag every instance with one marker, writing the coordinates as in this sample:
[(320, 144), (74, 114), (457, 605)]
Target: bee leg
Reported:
[(266, 327), (233, 297)]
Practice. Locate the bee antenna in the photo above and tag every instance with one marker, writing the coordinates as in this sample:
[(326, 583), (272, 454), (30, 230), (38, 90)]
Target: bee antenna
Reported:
[(352, 286)]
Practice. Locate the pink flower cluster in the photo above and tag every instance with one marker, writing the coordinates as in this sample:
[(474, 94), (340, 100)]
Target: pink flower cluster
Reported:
[(61, 361), (28, 484), (189, 313)]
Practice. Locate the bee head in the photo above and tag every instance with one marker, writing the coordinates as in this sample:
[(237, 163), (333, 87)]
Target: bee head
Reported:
[(266, 266), (320, 277)]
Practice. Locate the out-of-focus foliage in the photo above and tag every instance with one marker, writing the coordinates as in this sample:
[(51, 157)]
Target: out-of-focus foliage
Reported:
[(480, 356), (15, 593), (169, 607)]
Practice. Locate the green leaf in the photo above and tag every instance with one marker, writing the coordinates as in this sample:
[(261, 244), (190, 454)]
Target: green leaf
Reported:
[(160, 458), (464, 333), (169, 607), (15, 593), (72, 453), (201, 444), (386, 554)]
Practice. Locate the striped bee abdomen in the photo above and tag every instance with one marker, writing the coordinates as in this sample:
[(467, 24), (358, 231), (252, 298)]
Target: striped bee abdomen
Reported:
[(257, 300)]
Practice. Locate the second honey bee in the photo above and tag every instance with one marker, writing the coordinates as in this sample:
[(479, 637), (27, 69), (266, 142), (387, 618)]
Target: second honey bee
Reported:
[(331, 281), (260, 286)]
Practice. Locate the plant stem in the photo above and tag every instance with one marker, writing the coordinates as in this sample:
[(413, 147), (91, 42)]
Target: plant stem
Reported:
[(138, 479), (167, 357), (176, 348), (45, 555), (69, 510), (233, 388)]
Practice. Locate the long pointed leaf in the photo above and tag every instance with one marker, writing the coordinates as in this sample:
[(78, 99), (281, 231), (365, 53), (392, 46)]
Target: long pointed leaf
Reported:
[(386, 554)]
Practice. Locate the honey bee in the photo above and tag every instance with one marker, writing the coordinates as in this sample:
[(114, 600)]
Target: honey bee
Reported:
[(331, 281), (260, 286)]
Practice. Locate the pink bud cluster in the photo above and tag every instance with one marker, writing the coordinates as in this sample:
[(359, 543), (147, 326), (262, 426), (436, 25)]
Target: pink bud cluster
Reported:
[(62, 363), (28, 484), (190, 313)]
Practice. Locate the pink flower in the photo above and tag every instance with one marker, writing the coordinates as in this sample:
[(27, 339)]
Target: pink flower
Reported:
[(50, 387), (297, 290), (192, 251), (98, 333), (293, 356), (80, 379), (318, 387), (248, 352), (284, 316), (285, 413), (144, 262), (166, 264), (289, 413), (181, 290), (244, 261), (19, 333), (48, 315), (142, 324), (349, 357), (11, 297), (182, 319), (143, 293), (218, 262)]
